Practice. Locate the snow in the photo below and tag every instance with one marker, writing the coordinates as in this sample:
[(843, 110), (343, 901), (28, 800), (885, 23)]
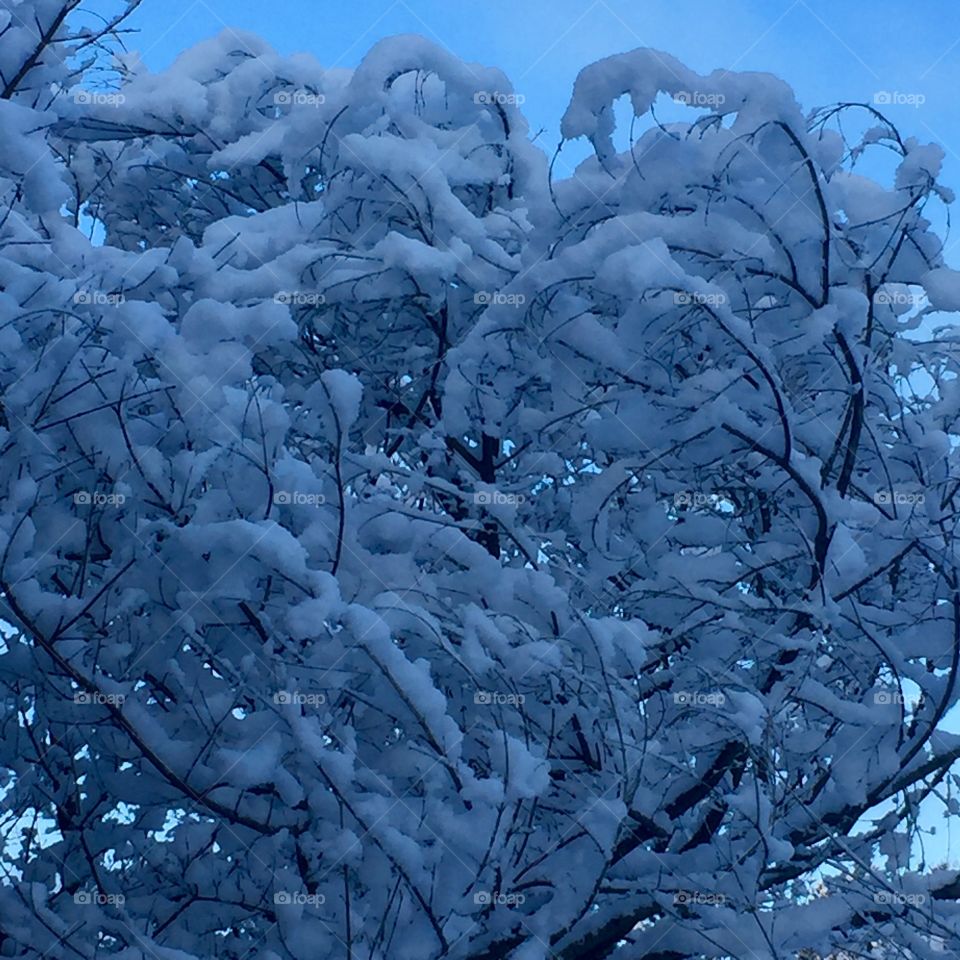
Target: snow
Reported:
[(942, 286), (487, 564)]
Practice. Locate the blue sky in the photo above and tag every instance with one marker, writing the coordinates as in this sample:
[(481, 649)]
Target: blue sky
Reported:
[(828, 50)]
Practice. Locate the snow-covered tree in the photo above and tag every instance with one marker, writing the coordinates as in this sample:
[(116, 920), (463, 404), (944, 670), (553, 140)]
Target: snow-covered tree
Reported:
[(407, 554)]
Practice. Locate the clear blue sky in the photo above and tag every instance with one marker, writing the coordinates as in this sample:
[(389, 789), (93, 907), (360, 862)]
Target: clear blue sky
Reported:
[(828, 50)]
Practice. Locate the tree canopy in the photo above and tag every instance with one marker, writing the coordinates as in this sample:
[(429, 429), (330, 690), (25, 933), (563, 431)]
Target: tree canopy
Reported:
[(408, 553)]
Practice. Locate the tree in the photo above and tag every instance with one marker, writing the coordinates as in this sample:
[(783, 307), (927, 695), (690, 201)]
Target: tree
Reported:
[(406, 554)]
